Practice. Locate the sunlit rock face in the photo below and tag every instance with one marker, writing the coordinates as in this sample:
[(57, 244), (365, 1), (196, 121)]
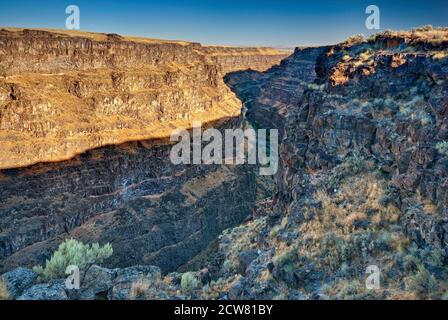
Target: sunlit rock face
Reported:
[(65, 92)]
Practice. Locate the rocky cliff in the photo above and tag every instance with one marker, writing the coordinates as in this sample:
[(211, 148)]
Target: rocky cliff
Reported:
[(362, 183), (131, 195), (95, 111), (235, 58), (363, 173), (65, 92)]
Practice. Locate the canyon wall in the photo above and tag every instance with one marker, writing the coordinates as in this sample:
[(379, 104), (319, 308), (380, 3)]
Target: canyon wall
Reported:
[(84, 121), (363, 172), (362, 182), (234, 58), (65, 92), (130, 195)]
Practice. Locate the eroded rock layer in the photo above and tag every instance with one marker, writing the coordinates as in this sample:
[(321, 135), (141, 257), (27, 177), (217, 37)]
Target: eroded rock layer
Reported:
[(362, 178), (65, 92), (362, 184), (94, 112), (130, 195)]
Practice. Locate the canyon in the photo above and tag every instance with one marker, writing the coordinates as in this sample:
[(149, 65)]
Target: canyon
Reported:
[(362, 179), (85, 126)]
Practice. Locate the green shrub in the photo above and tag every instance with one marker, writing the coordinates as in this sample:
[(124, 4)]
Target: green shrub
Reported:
[(73, 252), (423, 283), (189, 282), (315, 86), (442, 147), (284, 266)]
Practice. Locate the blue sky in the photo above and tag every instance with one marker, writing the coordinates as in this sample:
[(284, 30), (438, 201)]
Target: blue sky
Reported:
[(237, 22)]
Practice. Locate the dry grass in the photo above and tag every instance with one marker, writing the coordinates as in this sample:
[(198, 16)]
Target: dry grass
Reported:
[(431, 34), (428, 206), (139, 289), (357, 197), (4, 294), (438, 55), (97, 36)]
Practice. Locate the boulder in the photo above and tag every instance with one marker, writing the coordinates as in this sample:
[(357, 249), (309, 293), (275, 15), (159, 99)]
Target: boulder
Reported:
[(18, 280), (54, 290), (127, 277), (96, 284)]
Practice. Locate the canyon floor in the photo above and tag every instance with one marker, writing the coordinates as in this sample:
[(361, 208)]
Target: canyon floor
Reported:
[(362, 179)]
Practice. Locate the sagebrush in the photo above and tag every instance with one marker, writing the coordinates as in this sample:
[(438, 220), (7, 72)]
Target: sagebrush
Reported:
[(73, 252)]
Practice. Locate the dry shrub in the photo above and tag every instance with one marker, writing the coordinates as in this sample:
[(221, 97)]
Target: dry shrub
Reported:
[(139, 289), (4, 294)]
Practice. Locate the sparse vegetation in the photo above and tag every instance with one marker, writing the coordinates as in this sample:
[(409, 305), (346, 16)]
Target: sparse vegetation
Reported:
[(423, 283), (315, 86), (439, 55), (139, 290), (73, 252), (442, 147), (354, 40), (4, 294), (366, 55), (189, 282)]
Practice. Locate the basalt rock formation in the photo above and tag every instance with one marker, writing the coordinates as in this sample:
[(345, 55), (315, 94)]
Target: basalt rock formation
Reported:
[(268, 96), (361, 184), (85, 122), (65, 92), (232, 59), (363, 174)]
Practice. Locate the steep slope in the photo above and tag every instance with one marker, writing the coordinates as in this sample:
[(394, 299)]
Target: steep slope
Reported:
[(268, 96), (130, 195), (362, 180)]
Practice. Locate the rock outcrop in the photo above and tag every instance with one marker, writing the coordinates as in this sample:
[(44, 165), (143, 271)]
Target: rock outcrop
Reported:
[(232, 59), (363, 174), (268, 96)]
